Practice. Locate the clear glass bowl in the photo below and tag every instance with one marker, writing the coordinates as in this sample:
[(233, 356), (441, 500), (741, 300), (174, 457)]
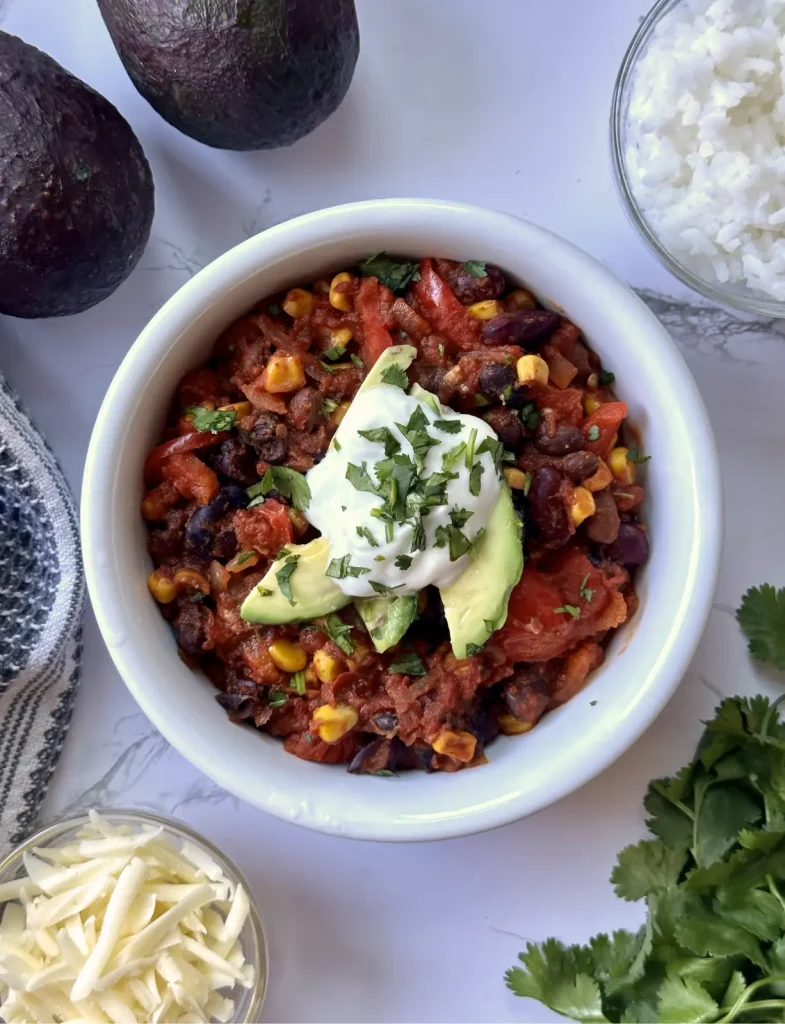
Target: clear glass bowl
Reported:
[(248, 1001), (738, 296)]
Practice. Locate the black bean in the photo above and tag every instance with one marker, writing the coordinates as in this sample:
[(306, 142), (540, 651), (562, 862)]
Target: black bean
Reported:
[(358, 762), (520, 328), (386, 721), (236, 496), (225, 545), (580, 465), (496, 378), (263, 429), (198, 535), (429, 377), (417, 756), (236, 461), (518, 397), (631, 547), (526, 695), (507, 425), (546, 507), (566, 440), (189, 629), (275, 450), (484, 723)]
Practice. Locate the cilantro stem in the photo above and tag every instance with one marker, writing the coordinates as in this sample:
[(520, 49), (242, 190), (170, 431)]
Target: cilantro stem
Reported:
[(749, 991), (676, 803), (775, 891), (771, 712)]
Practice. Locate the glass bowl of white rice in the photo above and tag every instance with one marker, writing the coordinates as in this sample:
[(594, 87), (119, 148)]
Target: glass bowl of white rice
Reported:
[(125, 916), (698, 146)]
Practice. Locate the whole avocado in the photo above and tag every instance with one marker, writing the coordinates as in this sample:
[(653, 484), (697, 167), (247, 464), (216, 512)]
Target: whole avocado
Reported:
[(76, 192), (238, 74)]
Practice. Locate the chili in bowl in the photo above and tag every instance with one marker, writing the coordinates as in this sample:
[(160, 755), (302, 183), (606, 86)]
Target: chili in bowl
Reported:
[(335, 554), (485, 565)]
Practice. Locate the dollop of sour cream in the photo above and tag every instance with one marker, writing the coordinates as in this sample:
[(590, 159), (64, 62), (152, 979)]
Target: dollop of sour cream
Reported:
[(405, 489)]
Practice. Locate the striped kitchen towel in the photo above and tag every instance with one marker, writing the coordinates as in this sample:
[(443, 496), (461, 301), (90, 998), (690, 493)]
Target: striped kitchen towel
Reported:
[(42, 595)]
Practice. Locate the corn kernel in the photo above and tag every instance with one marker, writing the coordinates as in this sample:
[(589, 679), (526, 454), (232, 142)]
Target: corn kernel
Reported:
[(510, 725), (582, 505), (593, 381), (522, 298), (325, 666), (240, 408), (339, 299), (190, 578), (298, 302), (338, 414), (460, 745), (298, 520), (485, 310), (591, 403), (283, 373), (333, 723), (515, 478), (532, 368), (621, 467), (600, 480), (162, 587), (341, 336), (288, 657)]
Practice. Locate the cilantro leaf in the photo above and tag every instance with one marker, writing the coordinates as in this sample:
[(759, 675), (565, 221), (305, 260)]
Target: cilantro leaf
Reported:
[(395, 377), (647, 866), (403, 562), (396, 274), (476, 268), (297, 683), (288, 482), (382, 435), (340, 633), (340, 568), (382, 588), (360, 479), (284, 577), (475, 478), (494, 447), (357, 360), (334, 352), (568, 609), (633, 455), (459, 516), (418, 536), (472, 649), (212, 420), (453, 455), (363, 531), (551, 973), (448, 426), (329, 405), (408, 664), (593, 433), (454, 539), (606, 377), (276, 698), (682, 1000), (761, 616)]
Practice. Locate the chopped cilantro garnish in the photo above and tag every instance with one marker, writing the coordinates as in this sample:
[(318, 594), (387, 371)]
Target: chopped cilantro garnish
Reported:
[(506, 393), (490, 625), (472, 649), (379, 558), (340, 568), (212, 420), (297, 683), (633, 455), (568, 609), (276, 699), (470, 447), (527, 484), (529, 416), (494, 447), (396, 274), (418, 536), (606, 377), (330, 369), (403, 562), (357, 361), (336, 444), (340, 634), (453, 455), (477, 538), (475, 477), (448, 426), (476, 268), (395, 377), (360, 479), (288, 482), (585, 592), (459, 516), (408, 664), (382, 435), (363, 531), (274, 310), (509, 457), (380, 588), (762, 618), (264, 591), (284, 577), (593, 433), (243, 557), (457, 541), (432, 402), (329, 405), (334, 352)]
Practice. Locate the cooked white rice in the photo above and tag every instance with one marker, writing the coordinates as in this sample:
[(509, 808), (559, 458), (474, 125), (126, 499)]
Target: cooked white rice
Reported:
[(706, 140)]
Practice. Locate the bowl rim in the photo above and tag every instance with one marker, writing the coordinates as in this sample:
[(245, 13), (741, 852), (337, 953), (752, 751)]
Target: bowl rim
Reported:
[(313, 231), (118, 815), (748, 301)]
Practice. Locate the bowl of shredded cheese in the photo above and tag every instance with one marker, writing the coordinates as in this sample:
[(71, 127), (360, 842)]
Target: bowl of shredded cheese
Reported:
[(124, 916), (698, 146)]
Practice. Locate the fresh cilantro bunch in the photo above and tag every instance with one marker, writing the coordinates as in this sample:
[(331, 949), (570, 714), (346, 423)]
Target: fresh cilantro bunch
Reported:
[(762, 617), (713, 880)]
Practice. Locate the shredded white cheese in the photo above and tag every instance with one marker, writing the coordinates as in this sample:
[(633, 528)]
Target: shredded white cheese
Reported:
[(122, 925)]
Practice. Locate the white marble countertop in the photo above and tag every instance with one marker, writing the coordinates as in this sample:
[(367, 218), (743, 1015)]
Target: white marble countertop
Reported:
[(503, 103)]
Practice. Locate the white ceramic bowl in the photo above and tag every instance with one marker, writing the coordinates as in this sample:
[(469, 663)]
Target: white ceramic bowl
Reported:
[(570, 745)]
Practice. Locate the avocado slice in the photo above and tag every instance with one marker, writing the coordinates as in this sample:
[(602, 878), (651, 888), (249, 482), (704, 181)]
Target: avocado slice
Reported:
[(238, 74), (476, 604), (314, 593), (386, 618), (76, 192)]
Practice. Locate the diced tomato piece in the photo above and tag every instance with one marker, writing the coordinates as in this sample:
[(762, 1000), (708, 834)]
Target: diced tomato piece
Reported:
[(367, 305), (153, 467), (261, 399), (560, 370), (443, 310), (627, 497), (567, 404), (198, 387), (535, 630), (159, 500), (192, 478), (265, 528), (607, 419)]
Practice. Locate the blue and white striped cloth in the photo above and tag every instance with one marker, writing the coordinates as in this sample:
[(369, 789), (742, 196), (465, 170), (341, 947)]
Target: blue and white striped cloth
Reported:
[(42, 594)]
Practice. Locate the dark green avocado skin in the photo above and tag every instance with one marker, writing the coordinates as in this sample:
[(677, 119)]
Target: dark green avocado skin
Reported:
[(238, 74), (76, 192)]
